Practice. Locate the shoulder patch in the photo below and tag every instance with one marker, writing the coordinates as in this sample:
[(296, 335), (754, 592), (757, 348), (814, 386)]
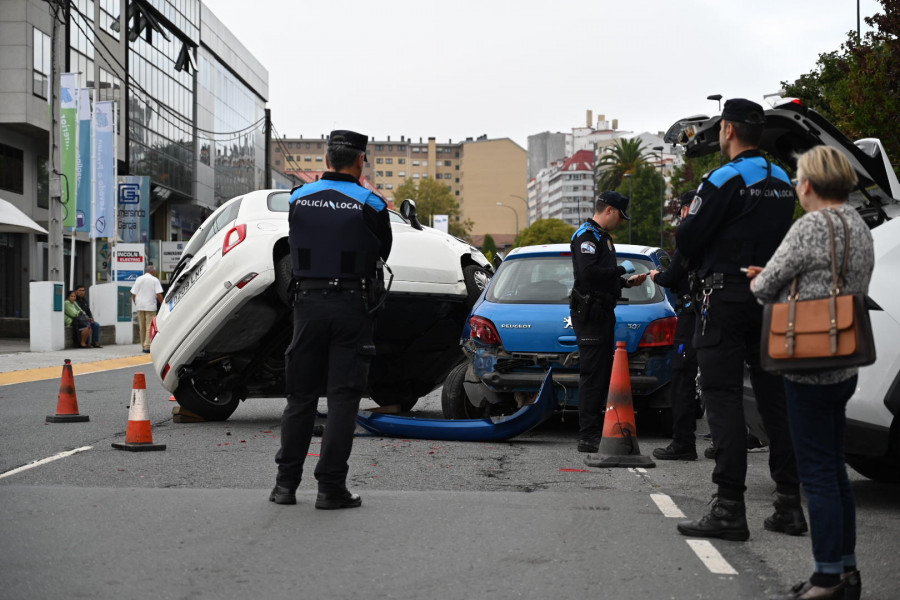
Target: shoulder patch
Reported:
[(609, 244), (696, 203), (588, 248)]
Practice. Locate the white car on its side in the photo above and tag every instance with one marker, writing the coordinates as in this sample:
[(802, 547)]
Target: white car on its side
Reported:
[(226, 320)]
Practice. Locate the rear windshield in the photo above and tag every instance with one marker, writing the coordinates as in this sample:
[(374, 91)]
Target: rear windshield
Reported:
[(211, 226), (549, 280)]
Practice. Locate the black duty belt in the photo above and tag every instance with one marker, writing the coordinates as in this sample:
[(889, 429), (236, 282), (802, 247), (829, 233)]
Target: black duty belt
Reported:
[(717, 281), (330, 284)]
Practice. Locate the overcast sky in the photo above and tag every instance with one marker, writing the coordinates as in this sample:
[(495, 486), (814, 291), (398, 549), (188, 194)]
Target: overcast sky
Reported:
[(463, 68)]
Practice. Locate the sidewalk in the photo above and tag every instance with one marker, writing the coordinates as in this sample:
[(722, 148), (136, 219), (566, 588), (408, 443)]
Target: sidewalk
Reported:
[(16, 356)]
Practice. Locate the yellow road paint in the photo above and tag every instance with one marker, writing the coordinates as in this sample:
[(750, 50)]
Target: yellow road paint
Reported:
[(30, 375)]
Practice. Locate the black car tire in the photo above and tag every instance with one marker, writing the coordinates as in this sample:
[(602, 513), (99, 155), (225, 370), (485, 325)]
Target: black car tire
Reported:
[(880, 469), (476, 279), (218, 408), (283, 275), (454, 402)]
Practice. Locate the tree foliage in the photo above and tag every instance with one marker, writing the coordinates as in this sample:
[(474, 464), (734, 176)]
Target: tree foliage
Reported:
[(434, 198), (545, 231), (623, 156), (857, 87), (489, 247), (643, 188)]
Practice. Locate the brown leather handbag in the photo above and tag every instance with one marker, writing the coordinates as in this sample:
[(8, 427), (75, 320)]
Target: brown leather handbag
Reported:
[(799, 336)]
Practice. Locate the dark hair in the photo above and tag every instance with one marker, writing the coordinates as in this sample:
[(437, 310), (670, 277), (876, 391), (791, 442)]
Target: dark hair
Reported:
[(79, 286), (341, 157), (748, 133), (600, 206), (69, 293)]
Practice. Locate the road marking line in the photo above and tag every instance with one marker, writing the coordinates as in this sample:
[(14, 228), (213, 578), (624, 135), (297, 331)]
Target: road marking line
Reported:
[(44, 461), (637, 470), (30, 375), (667, 506), (714, 561)]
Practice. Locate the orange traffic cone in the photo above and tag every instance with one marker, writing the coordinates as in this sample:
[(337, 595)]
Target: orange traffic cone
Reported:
[(619, 446), (138, 436), (67, 402)]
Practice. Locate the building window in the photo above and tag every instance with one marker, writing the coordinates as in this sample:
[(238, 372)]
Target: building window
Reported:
[(416, 149), (446, 163), (415, 175), (289, 158), (415, 163), (318, 159), (41, 63), (401, 147), (401, 173), (424, 163), (379, 161), (278, 162), (307, 158), (401, 161), (109, 15), (12, 169), (389, 173), (389, 161), (43, 183), (379, 186), (379, 173), (390, 186)]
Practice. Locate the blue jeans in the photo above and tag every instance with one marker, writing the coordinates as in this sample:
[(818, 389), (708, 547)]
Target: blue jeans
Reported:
[(95, 332), (818, 421)]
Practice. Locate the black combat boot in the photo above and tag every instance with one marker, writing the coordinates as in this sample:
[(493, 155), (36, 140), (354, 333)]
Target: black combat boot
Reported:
[(727, 520), (788, 516)]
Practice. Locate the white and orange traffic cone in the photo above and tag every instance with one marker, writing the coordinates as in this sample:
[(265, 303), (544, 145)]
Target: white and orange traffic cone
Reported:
[(138, 436), (619, 446), (67, 401)]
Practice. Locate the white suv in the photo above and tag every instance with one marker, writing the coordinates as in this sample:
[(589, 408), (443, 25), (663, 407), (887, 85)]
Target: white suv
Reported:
[(225, 322), (873, 429)]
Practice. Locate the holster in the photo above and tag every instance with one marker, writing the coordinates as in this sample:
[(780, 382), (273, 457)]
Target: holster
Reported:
[(579, 304)]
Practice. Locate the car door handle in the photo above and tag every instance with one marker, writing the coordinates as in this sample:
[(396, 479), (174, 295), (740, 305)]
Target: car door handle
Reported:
[(567, 340)]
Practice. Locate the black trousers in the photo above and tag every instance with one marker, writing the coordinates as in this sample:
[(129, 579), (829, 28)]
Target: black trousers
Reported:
[(596, 347), (732, 338), (331, 349), (683, 388)]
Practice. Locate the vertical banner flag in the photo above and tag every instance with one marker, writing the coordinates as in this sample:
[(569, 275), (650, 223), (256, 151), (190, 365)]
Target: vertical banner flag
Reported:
[(83, 163), (133, 196), (104, 175), (68, 140), (442, 222)]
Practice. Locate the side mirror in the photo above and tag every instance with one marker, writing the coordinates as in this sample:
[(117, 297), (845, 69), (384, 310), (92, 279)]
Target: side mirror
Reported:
[(408, 210), (497, 260)]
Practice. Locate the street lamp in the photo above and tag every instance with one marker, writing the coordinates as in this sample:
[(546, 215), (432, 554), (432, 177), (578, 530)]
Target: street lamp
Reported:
[(717, 98), (515, 212), (662, 192), (630, 178), (527, 208)]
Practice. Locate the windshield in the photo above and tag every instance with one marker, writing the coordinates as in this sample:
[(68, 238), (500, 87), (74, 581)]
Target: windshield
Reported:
[(549, 280)]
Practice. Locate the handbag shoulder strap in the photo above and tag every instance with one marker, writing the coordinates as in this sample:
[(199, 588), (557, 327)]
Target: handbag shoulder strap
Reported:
[(837, 280), (846, 261)]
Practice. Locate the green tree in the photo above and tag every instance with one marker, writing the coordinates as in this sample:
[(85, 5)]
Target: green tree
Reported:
[(623, 156), (856, 87), (643, 190), (489, 247), (545, 231), (434, 198)]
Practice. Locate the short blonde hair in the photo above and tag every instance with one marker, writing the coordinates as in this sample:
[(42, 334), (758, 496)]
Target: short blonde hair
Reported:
[(828, 172)]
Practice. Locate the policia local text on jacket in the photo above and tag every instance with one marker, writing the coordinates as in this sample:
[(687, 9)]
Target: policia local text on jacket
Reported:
[(598, 285), (739, 216), (338, 232)]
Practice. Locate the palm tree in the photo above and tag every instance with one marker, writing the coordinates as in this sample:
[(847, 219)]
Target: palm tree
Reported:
[(623, 156)]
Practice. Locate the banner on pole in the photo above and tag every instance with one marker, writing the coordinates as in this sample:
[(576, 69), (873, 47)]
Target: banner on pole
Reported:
[(68, 145), (83, 162), (133, 196), (104, 176), (442, 222)]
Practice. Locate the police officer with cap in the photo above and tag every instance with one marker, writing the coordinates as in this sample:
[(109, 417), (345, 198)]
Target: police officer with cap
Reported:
[(598, 285), (339, 231), (738, 218), (683, 387)]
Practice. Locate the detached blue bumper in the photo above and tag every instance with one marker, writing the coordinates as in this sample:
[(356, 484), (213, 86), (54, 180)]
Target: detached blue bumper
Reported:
[(466, 430)]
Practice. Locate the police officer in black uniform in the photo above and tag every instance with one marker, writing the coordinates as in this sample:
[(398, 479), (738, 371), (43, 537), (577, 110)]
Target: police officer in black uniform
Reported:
[(339, 231), (598, 284), (741, 212), (683, 388)]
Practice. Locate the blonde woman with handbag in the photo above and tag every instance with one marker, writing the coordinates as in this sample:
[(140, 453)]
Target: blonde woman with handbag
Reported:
[(816, 400)]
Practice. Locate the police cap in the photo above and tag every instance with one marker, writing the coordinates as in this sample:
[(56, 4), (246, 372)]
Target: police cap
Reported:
[(741, 110), (348, 139), (616, 200)]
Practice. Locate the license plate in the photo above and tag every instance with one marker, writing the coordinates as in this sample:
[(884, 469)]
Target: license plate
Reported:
[(186, 283)]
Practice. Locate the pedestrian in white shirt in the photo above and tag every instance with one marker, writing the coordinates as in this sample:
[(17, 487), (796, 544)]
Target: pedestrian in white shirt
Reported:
[(146, 293)]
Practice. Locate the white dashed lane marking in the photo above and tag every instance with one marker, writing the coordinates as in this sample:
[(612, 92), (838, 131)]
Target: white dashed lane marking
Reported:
[(44, 461), (667, 507), (714, 561)]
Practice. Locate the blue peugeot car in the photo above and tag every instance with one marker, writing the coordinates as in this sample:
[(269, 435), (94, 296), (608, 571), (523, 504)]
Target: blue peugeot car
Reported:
[(520, 327)]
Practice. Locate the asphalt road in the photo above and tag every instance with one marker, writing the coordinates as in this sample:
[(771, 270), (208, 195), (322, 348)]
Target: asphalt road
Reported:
[(518, 519)]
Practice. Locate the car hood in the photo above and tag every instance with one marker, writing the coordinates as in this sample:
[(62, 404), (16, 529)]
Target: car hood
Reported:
[(428, 255), (547, 328), (792, 129)]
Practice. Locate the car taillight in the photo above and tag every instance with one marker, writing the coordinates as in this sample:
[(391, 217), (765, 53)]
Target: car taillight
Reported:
[(153, 329), (166, 371), (659, 333), (235, 236), (483, 330), (247, 279)]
